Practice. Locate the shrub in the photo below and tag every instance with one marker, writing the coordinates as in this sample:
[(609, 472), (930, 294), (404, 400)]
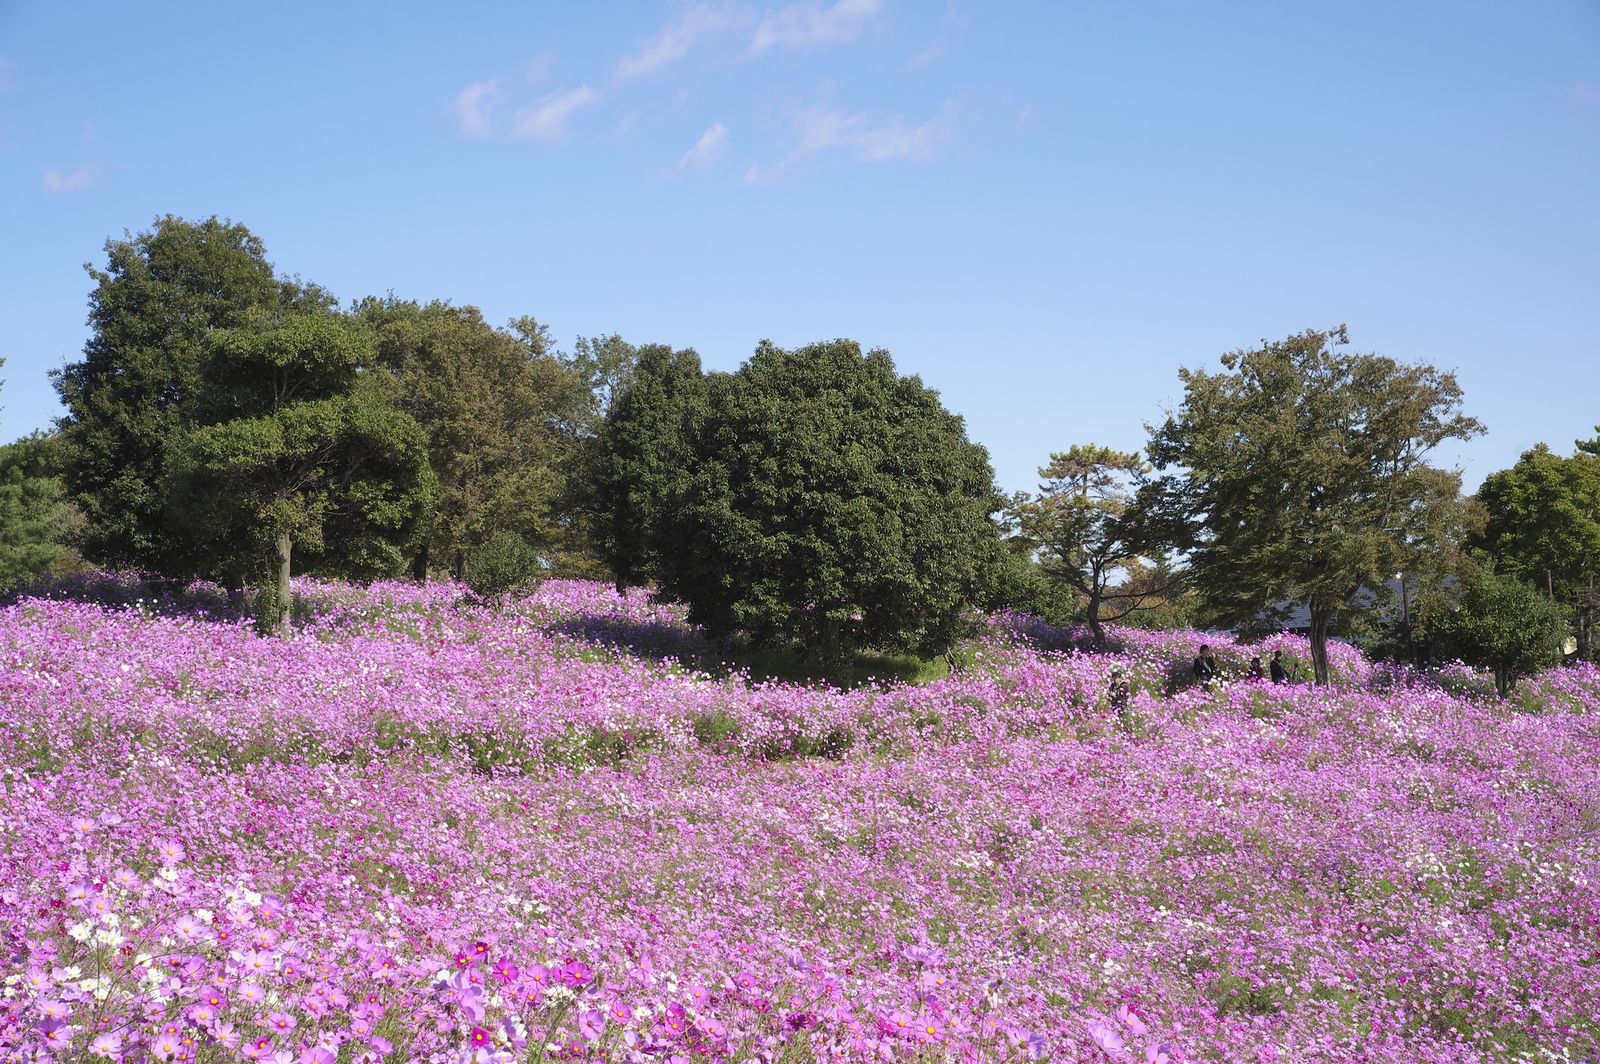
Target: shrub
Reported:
[(504, 565)]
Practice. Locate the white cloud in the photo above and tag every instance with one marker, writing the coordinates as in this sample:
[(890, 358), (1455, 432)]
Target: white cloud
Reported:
[(706, 151), (814, 22), (76, 181), (820, 129), (474, 108), (681, 36), (547, 119), (928, 55)]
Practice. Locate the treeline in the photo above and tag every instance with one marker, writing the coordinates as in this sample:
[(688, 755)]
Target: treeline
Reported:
[(230, 422)]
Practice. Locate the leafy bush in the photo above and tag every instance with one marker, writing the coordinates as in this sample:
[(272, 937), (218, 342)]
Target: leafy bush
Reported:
[(502, 566), (1504, 625)]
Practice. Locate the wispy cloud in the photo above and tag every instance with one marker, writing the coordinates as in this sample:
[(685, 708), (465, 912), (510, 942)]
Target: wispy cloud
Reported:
[(547, 119), (930, 54), (821, 129), (474, 108), (76, 181), (695, 26), (814, 22), (706, 151)]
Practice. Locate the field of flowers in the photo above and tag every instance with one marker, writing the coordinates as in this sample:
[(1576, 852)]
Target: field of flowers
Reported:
[(418, 829)]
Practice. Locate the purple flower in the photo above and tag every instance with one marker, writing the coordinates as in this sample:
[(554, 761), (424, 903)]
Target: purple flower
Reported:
[(1106, 1037), (591, 1022)]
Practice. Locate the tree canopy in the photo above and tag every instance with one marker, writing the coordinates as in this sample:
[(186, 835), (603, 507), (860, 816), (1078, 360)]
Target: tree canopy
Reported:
[(1542, 516), (161, 295), (1079, 525), (1299, 473), (813, 497), (1505, 625), (500, 410), (293, 446)]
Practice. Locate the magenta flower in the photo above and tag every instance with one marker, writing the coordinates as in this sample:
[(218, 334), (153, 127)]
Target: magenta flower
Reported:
[(1160, 1053), (107, 1045), (1130, 1021), (591, 1022), (281, 1022), (505, 971), (318, 1055)]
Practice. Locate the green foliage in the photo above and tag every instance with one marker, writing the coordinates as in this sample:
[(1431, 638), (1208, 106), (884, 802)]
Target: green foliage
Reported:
[(152, 313), (1301, 476), (647, 451), (35, 517), (501, 413), (296, 448), (1543, 515), (814, 497), (502, 566), (1504, 625), (1080, 525)]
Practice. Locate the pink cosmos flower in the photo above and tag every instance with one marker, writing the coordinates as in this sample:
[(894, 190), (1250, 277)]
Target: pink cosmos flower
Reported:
[(505, 971), (1161, 1053), (281, 1022), (107, 1045), (590, 1024), (1106, 1037), (53, 1010), (169, 852), (1130, 1021), (57, 1034), (318, 1055)]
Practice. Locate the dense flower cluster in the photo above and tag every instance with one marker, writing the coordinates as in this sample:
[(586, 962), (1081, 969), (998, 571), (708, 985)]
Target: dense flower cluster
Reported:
[(423, 830)]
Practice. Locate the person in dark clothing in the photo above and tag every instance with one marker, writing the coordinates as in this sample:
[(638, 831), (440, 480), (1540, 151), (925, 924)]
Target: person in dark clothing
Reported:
[(1279, 673), (1255, 670), (1205, 666), (1117, 691)]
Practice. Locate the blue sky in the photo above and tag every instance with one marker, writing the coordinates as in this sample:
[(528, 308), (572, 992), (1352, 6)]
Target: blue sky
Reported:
[(1044, 209)]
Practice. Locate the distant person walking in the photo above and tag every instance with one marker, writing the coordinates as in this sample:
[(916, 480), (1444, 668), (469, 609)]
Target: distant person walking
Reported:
[(1279, 673), (1255, 670), (1117, 691), (1205, 665)]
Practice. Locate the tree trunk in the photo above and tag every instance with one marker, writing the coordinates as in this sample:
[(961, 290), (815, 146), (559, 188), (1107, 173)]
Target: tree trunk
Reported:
[(1092, 613), (1320, 616), (284, 546)]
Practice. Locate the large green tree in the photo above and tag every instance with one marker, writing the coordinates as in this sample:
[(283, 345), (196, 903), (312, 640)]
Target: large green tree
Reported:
[(1300, 473), (1080, 526), (642, 467), (294, 447), (1542, 525), (501, 411), (814, 497), (155, 305)]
